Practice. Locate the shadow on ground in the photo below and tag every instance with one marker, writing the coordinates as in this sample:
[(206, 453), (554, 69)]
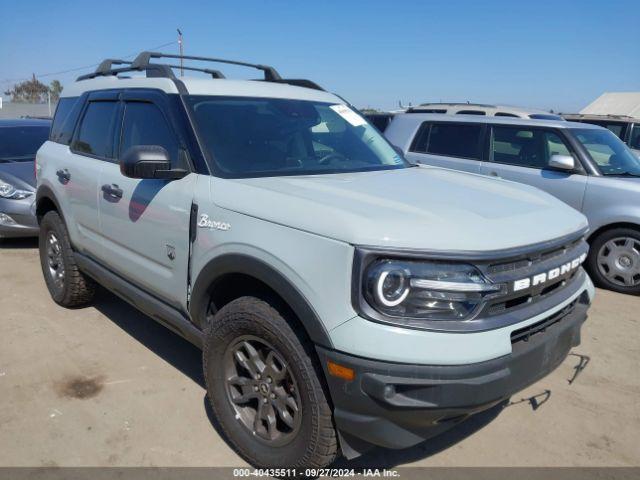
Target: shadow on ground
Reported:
[(188, 359), (18, 243), (160, 340)]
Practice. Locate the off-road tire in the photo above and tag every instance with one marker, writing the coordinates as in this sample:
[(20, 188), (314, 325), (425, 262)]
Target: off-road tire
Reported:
[(314, 445), (592, 260), (77, 289)]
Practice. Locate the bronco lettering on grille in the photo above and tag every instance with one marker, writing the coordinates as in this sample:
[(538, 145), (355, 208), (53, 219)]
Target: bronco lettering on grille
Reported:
[(544, 277)]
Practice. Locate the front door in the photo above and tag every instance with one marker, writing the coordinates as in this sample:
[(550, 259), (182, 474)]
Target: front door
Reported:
[(145, 223), (521, 154)]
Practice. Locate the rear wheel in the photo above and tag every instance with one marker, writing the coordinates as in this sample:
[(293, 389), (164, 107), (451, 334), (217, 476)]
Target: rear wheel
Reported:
[(67, 285), (265, 388), (614, 260)]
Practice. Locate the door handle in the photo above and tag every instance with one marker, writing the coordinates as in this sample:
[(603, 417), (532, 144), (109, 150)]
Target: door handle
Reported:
[(63, 175), (494, 174), (112, 190)]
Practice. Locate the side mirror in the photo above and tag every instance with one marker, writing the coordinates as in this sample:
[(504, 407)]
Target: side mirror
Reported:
[(562, 162), (147, 162)]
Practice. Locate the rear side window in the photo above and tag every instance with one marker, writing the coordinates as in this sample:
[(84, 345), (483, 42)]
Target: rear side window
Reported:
[(450, 139), (545, 116), (144, 124), (471, 112), (505, 114), (96, 131), (64, 120)]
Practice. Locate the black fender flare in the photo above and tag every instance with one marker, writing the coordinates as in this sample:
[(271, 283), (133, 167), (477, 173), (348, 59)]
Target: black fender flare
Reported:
[(250, 266), (46, 193)]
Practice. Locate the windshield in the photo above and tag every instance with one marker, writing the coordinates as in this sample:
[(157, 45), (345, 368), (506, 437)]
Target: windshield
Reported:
[(256, 137), (20, 144), (611, 155)]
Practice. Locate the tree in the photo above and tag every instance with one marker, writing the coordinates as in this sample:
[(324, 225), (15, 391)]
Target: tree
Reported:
[(29, 91), (55, 88)]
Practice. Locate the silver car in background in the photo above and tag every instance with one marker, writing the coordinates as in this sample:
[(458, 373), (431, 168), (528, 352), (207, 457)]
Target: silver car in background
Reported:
[(484, 109), (19, 141), (584, 165)]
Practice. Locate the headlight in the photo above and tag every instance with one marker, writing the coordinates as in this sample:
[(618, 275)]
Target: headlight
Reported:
[(9, 191), (426, 290)]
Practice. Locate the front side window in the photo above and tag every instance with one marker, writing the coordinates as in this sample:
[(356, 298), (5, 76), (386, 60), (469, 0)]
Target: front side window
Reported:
[(526, 147), (450, 140), (144, 124), (609, 153), (20, 144), (95, 135), (253, 137)]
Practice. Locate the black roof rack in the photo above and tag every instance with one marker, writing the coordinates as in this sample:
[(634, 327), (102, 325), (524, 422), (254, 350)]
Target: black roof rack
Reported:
[(143, 63)]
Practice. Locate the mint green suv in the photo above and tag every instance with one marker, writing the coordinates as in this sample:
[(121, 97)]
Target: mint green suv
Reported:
[(342, 296)]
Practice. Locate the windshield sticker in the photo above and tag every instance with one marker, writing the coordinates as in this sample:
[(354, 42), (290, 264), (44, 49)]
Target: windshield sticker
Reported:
[(349, 115)]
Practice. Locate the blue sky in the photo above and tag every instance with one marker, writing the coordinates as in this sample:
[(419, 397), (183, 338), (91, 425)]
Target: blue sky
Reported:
[(546, 54)]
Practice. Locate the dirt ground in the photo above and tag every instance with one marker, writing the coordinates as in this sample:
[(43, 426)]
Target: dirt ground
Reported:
[(107, 386)]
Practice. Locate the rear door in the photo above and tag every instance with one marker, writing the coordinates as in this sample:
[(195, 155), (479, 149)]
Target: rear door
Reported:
[(450, 145), (145, 223), (79, 167), (521, 154)]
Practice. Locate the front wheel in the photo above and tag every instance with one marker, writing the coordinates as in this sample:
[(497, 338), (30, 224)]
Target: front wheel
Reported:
[(614, 260), (265, 388)]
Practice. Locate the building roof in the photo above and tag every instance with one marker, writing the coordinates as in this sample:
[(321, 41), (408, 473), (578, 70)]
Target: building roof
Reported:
[(615, 103)]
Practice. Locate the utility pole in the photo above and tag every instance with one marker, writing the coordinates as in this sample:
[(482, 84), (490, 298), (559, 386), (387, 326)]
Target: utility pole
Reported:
[(181, 52)]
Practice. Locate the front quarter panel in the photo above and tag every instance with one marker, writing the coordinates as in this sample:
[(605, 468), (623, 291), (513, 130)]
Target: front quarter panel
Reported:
[(612, 200), (317, 267)]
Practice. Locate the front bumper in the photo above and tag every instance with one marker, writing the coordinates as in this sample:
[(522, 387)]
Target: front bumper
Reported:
[(23, 221), (396, 405)]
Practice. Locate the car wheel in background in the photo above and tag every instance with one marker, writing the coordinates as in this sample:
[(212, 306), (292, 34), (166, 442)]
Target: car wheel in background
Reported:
[(614, 260)]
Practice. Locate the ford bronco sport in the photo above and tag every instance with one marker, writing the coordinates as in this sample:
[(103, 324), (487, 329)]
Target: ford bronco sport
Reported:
[(342, 297)]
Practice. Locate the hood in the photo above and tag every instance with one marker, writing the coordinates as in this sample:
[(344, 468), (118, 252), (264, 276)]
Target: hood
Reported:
[(19, 174), (418, 208)]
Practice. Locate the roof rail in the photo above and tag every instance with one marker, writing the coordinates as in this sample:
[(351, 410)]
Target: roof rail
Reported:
[(143, 63), (106, 65), (143, 60), (457, 104)]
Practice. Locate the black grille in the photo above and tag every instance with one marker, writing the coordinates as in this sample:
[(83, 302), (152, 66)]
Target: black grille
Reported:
[(525, 334), (530, 297), (527, 266), (532, 259)]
